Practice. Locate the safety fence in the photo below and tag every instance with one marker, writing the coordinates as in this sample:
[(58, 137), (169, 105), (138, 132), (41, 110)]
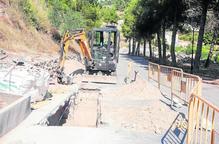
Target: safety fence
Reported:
[(174, 79), (202, 115), (183, 84), (201, 121)]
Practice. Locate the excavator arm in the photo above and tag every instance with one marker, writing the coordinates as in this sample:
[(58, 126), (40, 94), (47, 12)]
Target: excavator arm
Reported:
[(80, 38)]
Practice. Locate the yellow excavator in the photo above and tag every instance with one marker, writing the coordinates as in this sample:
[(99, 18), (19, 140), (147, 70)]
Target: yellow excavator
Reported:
[(99, 52), (80, 37)]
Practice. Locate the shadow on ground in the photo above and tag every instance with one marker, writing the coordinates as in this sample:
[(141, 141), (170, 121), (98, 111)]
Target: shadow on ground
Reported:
[(177, 132), (137, 59)]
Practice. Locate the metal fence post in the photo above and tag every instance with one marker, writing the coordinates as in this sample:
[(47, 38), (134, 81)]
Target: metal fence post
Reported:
[(171, 88), (149, 69), (158, 76)]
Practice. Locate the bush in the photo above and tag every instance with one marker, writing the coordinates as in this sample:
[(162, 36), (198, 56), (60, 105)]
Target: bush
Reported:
[(109, 14), (206, 40), (72, 20), (92, 15), (179, 49), (29, 14), (188, 36), (35, 13), (205, 51), (217, 60), (188, 50)]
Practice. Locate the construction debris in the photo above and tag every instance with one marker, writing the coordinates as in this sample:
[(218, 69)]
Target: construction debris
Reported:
[(3, 54), (24, 80)]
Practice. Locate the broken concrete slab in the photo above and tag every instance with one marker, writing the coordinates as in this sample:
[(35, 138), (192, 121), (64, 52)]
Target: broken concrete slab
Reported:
[(15, 110), (42, 115), (61, 95)]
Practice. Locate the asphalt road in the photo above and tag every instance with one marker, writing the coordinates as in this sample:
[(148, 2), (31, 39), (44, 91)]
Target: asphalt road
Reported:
[(209, 91)]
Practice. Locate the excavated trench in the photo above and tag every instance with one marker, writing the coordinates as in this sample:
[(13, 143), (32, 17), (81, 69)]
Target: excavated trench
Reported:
[(85, 111), (81, 110)]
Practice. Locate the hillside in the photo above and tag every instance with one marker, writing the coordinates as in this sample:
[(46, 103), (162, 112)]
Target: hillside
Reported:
[(18, 35)]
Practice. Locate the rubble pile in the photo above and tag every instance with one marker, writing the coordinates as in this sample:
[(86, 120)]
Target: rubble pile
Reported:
[(28, 75), (50, 65)]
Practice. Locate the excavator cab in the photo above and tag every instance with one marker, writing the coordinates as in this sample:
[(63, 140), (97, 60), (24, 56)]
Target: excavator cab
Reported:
[(104, 44)]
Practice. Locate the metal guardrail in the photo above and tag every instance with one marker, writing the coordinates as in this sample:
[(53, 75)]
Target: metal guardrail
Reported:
[(187, 87)]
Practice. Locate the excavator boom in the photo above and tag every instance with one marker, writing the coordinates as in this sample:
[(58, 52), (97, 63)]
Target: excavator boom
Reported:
[(80, 37)]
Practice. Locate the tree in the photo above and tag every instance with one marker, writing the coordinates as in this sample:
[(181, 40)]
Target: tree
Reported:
[(109, 15), (159, 46), (64, 17), (149, 18), (213, 28), (92, 15), (204, 6), (144, 46), (128, 27), (174, 15), (72, 21), (164, 40)]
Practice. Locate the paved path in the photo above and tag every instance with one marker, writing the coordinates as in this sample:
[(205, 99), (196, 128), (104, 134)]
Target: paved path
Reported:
[(211, 93)]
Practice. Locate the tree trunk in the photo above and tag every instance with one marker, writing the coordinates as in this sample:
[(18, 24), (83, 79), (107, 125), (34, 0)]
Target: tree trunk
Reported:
[(211, 49), (173, 42), (150, 48), (164, 42), (144, 51), (137, 52), (205, 4), (129, 41), (159, 46), (133, 45)]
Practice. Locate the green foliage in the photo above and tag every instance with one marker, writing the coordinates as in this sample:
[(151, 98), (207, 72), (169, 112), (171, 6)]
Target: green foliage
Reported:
[(92, 15), (64, 17), (36, 13), (29, 14), (180, 49), (72, 21), (188, 50), (208, 38), (188, 36), (205, 51), (109, 15), (217, 59), (129, 19), (120, 5), (74, 14)]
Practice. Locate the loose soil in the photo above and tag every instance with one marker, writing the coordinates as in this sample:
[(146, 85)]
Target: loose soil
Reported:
[(134, 107)]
